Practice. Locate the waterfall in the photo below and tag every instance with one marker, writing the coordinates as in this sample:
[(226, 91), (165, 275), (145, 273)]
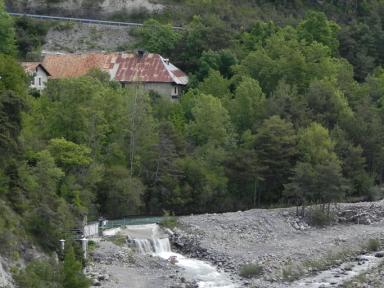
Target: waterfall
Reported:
[(162, 245), (150, 239), (144, 246), (153, 246)]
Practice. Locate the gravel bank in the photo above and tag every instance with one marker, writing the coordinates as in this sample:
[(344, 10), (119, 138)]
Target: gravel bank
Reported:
[(275, 239)]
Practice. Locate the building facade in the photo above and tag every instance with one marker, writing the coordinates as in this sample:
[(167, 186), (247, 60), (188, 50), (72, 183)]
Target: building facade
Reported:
[(38, 73), (151, 71)]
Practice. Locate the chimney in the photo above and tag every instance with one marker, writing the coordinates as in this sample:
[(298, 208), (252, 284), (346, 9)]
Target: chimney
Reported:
[(166, 61), (140, 53)]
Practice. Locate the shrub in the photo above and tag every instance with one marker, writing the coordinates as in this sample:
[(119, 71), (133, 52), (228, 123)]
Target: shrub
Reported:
[(40, 274), (319, 218), (169, 220), (251, 271), (373, 245), (292, 273)]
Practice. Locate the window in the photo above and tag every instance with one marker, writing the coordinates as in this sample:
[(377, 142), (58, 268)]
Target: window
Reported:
[(175, 90), (39, 81)]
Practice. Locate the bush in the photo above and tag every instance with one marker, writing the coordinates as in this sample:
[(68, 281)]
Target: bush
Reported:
[(373, 245), (251, 271), (319, 218), (40, 274), (292, 273), (169, 220)]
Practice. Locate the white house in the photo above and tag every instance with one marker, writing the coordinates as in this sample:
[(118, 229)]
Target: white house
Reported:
[(38, 73)]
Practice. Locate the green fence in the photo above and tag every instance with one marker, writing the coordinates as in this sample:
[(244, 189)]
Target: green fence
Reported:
[(131, 221)]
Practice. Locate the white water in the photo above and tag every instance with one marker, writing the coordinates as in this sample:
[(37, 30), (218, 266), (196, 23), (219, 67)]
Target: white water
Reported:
[(150, 240)]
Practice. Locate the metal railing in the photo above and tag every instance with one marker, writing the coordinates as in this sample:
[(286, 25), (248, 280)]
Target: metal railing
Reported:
[(83, 20)]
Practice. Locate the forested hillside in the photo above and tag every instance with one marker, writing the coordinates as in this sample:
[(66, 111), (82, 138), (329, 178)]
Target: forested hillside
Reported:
[(284, 107)]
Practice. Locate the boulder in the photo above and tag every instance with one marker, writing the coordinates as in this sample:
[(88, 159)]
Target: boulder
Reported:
[(379, 254)]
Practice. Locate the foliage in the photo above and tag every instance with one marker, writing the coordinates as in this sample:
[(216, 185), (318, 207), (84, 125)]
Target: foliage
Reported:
[(169, 220), (251, 271), (316, 27), (50, 274), (319, 218), (40, 274), (373, 245), (7, 33), (30, 37), (157, 38), (72, 270), (276, 149)]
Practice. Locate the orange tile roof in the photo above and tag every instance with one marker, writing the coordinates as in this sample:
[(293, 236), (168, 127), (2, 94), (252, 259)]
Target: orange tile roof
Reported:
[(123, 67)]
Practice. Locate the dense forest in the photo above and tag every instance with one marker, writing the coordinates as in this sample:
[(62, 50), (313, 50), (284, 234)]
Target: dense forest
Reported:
[(284, 110)]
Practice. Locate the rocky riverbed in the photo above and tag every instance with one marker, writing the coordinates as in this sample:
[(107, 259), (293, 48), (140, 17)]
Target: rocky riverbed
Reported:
[(287, 249), (285, 246)]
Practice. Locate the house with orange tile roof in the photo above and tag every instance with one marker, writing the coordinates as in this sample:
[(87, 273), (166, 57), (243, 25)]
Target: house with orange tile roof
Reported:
[(150, 71), (38, 73)]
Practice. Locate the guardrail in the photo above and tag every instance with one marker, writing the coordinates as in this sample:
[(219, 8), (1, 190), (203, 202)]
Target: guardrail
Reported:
[(83, 20)]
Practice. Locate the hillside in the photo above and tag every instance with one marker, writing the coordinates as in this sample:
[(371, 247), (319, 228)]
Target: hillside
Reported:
[(284, 107)]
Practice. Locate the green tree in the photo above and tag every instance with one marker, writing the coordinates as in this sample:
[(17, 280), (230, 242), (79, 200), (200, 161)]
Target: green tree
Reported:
[(7, 33), (275, 145), (157, 38), (12, 76), (244, 173), (119, 193), (73, 276), (68, 154), (315, 145), (321, 183), (221, 61), (215, 85), (211, 122), (248, 106), (316, 27), (327, 103), (318, 175)]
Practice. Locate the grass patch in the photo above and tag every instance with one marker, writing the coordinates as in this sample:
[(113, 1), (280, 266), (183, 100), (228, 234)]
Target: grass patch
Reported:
[(332, 259), (292, 272), (169, 220), (251, 271), (118, 239)]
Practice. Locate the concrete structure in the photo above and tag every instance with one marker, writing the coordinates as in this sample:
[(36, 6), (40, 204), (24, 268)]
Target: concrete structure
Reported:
[(91, 229), (38, 73), (151, 71)]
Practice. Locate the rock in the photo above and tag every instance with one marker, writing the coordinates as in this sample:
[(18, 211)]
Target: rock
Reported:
[(379, 254), (96, 283)]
